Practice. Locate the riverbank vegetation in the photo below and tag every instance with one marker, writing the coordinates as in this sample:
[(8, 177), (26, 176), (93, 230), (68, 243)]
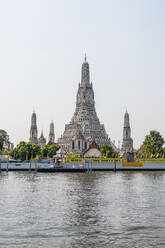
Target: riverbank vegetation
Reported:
[(4, 141), (108, 152), (28, 151), (152, 147)]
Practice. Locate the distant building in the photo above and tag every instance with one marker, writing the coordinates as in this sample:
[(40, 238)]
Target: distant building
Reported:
[(127, 144), (42, 140), (51, 134), (34, 133), (8, 147), (33, 130), (85, 120)]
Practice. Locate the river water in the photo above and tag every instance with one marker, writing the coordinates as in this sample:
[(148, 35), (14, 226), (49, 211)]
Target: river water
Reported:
[(98, 209)]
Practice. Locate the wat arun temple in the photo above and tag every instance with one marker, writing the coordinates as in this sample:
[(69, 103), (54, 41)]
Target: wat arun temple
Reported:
[(84, 127)]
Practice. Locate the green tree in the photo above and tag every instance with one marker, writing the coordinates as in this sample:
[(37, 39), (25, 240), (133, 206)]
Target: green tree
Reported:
[(25, 150), (53, 149), (36, 150), (153, 143), (49, 150), (4, 139), (45, 151), (108, 151)]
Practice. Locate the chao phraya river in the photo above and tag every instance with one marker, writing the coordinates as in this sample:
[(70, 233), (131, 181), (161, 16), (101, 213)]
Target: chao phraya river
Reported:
[(103, 209)]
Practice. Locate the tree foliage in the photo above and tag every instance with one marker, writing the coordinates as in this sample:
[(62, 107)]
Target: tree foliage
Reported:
[(25, 151), (153, 143), (4, 139), (49, 150), (108, 151)]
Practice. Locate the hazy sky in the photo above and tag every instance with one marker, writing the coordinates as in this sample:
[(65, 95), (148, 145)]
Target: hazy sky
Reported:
[(42, 47)]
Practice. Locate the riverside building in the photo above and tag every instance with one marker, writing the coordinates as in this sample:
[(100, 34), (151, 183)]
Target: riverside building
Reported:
[(84, 127)]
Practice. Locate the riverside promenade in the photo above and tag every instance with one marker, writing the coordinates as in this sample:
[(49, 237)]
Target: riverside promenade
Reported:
[(87, 165)]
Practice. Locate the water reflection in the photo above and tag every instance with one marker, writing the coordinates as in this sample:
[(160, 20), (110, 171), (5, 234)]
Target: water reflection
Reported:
[(104, 209)]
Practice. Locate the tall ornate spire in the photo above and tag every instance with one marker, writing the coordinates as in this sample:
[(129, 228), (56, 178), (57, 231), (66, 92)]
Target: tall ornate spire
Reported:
[(85, 119), (85, 58), (51, 133), (127, 144), (33, 130), (85, 74), (42, 135), (42, 140), (126, 120)]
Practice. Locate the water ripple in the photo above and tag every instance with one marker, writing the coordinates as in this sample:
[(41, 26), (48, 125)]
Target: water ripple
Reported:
[(103, 209)]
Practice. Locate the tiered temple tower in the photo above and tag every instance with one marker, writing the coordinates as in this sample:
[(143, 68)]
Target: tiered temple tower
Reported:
[(51, 133), (42, 140), (33, 130), (127, 144), (85, 117)]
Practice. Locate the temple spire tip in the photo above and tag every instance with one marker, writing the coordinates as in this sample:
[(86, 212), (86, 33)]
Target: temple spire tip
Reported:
[(85, 58)]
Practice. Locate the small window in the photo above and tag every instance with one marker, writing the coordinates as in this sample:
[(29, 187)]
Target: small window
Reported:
[(79, 144), (72, 145), (85, 145)]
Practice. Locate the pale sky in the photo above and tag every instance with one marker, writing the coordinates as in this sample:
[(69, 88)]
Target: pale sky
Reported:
[(42, 47)]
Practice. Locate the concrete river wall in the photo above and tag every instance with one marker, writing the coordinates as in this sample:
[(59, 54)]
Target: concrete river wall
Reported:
[(118, 166), (73, 167)]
